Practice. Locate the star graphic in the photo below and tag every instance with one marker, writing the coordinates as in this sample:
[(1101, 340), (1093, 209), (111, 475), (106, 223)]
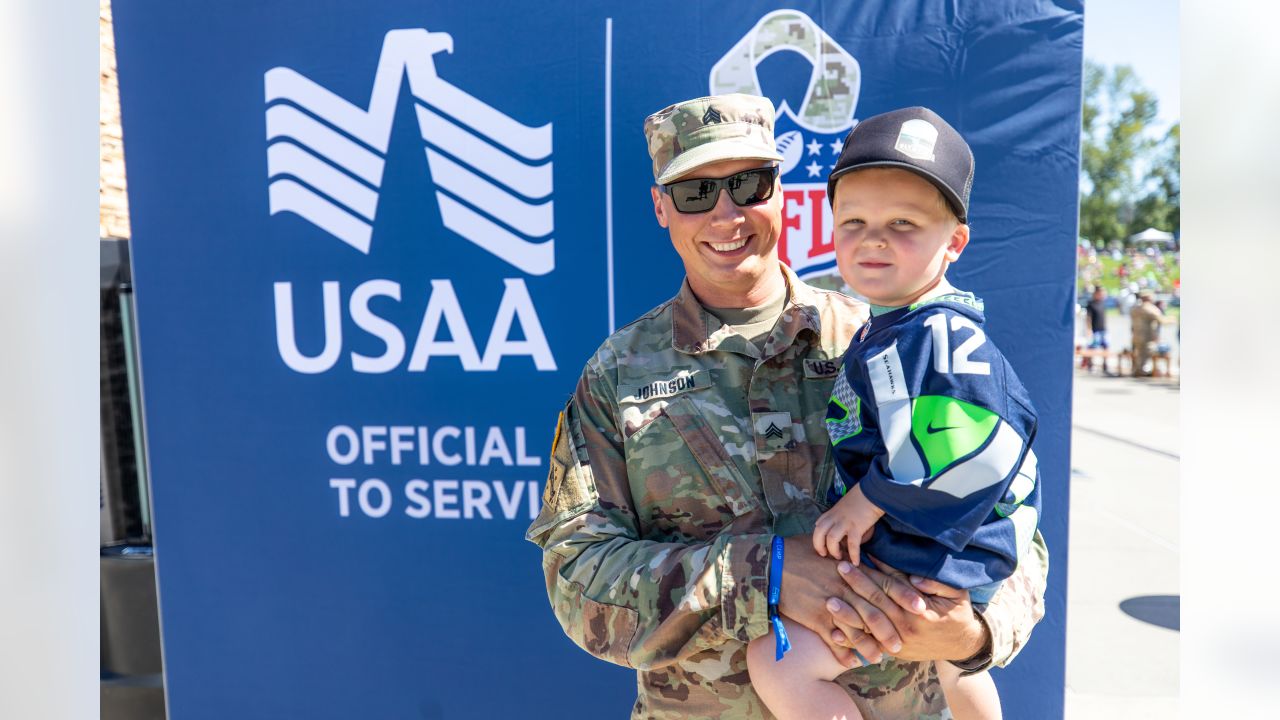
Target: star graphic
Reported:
[(814, 168), (814, 146), (837, 146)]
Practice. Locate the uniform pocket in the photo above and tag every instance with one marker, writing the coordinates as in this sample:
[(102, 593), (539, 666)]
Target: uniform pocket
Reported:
[(711, 455), (606, 631), (683, 482)]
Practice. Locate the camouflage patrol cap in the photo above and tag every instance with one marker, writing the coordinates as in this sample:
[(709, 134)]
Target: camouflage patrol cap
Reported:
[(692, 133)]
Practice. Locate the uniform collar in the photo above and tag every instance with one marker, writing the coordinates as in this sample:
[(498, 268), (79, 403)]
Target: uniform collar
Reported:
[(695, 331)]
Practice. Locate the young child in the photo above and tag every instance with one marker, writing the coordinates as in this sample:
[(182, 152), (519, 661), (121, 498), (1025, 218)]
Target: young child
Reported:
[(930, 428)]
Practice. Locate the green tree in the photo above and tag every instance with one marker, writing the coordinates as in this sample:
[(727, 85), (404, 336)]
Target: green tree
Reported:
[(1114, 147), (1160, 206)]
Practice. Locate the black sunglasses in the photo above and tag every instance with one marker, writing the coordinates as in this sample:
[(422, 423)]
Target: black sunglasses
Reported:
[(745, 188)]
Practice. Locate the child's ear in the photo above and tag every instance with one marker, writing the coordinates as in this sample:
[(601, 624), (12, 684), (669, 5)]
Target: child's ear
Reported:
[(957, 242)]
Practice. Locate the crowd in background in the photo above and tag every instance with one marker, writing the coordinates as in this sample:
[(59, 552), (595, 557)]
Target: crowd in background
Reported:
[(1141, 286), (1124, 272)]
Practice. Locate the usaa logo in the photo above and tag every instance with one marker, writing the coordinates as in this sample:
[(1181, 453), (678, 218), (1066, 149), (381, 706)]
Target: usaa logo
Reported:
[(493, 182), (809, 138)]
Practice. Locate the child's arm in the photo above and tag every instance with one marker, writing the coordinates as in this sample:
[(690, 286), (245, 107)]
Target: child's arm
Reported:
[(850, 521)]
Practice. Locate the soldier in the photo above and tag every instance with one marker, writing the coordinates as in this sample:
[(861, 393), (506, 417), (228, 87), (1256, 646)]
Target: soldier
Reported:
[(1146, 319), (696, 435)]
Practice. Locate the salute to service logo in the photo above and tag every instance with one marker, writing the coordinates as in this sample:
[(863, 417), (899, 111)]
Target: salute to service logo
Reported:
[(809, 138)]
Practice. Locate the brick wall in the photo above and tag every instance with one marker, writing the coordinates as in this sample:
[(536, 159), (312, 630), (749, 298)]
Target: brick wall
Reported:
[(113, 211)]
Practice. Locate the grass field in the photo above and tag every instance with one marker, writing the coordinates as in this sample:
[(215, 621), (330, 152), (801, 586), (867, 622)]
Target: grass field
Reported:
[(1103, 272)]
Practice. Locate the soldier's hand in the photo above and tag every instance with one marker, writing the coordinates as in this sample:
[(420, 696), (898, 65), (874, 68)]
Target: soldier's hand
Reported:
[(862, 642), (877, 608), (926, 619), (807, 581)]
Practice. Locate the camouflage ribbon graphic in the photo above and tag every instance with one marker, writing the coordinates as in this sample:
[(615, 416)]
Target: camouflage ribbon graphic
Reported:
[(834, 83)]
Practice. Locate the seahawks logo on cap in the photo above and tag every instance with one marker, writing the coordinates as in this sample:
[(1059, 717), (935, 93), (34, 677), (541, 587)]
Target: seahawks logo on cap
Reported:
[(916, 139)]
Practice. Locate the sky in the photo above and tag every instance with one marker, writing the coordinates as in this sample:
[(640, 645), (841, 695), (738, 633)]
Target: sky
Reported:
[(1142, 34)]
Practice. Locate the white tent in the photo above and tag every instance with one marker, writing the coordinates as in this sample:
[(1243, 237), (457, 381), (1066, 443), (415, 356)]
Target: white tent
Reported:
[(1152, 235)]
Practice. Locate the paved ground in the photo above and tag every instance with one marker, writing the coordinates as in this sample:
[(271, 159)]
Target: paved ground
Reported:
[(1124, 550)]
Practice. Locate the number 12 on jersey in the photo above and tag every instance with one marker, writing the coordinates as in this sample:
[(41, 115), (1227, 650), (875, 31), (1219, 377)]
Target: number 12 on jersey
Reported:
[(944, 360)]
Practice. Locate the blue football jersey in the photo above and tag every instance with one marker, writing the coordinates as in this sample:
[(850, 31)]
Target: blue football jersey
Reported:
[(932, 421)]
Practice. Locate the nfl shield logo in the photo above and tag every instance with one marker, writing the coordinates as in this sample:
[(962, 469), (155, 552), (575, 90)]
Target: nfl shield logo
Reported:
[(809, 138)]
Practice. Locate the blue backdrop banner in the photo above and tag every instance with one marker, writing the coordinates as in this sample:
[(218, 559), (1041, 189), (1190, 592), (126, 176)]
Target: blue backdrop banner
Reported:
[(374, 244)]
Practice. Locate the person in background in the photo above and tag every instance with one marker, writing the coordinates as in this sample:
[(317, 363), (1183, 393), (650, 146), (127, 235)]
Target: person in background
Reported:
[(1146, 320), (1163, 307), (1097, 312)]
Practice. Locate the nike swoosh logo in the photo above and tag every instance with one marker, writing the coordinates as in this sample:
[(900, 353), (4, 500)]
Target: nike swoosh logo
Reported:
[(931, 429)]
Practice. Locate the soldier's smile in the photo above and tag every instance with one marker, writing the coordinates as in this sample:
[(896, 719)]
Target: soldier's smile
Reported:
[(730, 248)]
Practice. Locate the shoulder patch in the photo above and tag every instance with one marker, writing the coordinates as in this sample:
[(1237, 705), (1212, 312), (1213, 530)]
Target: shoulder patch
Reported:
[(561, 493), (569, 490)]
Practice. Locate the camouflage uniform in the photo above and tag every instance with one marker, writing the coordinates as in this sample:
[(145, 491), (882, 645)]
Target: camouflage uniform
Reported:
[(679, 456), (1145, 319)]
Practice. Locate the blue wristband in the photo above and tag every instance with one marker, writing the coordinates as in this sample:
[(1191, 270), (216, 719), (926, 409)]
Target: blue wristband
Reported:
[(775, 592)]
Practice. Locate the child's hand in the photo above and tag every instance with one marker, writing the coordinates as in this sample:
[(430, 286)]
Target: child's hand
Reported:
[(851, 522)]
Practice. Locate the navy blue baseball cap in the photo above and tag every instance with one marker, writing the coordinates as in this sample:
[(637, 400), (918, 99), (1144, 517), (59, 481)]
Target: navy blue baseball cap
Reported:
[(915, 139)]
